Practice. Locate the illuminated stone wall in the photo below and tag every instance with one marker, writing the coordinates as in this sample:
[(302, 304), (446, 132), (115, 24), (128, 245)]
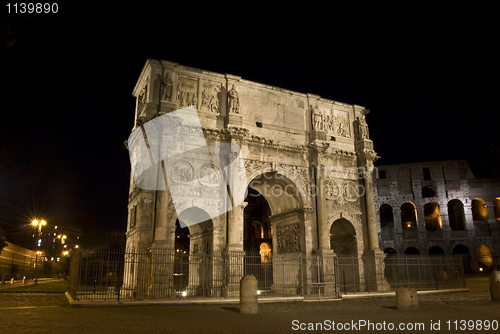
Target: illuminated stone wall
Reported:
[(455, 212)]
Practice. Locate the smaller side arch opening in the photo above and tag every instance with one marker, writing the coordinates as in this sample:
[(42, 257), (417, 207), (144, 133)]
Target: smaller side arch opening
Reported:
[(479, 211)]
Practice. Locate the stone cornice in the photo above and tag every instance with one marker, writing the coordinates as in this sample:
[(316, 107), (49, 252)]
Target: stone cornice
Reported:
[(369, 155), (303, 210)]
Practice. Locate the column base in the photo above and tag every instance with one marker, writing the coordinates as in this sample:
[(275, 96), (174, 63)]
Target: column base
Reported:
[(324, 260), (235, 270), (374, 268)]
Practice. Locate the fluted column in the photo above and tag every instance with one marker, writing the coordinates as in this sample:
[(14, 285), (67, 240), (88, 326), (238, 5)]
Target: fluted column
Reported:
[(371, 212), (323, 232)]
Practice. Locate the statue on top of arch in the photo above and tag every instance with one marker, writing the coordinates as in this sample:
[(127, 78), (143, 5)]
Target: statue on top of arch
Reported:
[(362, 129), (317, 119)]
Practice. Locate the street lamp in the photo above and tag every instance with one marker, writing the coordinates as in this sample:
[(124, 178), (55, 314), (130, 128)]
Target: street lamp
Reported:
[(38, 224)]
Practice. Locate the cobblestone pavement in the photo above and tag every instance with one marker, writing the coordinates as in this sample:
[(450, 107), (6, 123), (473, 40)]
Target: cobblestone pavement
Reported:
[(51, 313)]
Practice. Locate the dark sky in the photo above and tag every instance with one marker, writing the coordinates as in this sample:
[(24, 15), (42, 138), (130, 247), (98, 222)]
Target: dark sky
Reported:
[(430, 81)]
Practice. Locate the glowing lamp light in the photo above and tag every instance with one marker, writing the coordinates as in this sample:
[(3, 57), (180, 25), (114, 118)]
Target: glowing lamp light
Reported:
[(184, 293), (258, 292), (480, 269)]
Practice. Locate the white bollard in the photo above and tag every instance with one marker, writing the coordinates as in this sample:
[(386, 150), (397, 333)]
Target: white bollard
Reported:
[(495, 291), (406, 299), (494, 276), (249, 299)]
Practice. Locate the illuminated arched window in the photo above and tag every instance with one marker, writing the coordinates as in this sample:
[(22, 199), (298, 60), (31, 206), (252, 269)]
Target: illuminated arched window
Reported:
[(497, 208), (432, 217), (485, 256), (265, 253), (408, 215), (456, 215), (479, 211)]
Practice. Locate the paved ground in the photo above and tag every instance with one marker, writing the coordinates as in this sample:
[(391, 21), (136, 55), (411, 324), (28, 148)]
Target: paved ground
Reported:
[(51, 313)]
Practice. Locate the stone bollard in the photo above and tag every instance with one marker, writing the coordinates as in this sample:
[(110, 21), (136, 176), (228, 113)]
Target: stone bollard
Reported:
[(24, 281), (407, 299), (12, 281), (249, 299), (494, 276), (495, 291)]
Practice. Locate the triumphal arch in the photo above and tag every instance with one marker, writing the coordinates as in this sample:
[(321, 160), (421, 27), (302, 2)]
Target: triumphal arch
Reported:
[(244, 167)]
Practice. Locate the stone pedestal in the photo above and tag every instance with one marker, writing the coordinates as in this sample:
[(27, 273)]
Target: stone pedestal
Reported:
[(235, 269), (495, 276), (495, 292), (374, 268), (162, 267), (233, 119), (249, 299), (325, 259), (406, 299), (317, 134)]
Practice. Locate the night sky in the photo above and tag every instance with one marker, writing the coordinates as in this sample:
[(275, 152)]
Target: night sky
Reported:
[(430, 81)]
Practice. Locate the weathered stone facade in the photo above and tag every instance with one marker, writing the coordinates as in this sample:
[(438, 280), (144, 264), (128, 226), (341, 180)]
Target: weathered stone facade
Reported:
[(309, 157), (439, 208)]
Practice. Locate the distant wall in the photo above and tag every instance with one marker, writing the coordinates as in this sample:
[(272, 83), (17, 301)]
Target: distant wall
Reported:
[(16, 262)]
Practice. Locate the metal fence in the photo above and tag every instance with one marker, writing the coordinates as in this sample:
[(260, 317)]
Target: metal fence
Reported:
[(356, 274), (163, 274)]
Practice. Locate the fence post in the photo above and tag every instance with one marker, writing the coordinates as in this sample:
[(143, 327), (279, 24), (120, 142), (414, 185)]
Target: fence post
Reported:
[(74, 274), (419, 274), (407, 271)]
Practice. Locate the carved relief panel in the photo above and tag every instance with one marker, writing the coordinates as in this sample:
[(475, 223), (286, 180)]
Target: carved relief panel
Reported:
[(341, 124), (187, 92), (288, 238), (210, 97)]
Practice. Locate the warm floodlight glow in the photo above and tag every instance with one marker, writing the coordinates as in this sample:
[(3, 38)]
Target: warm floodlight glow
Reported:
[(184, 293), (34, 222), (43, 222), (258, 292)]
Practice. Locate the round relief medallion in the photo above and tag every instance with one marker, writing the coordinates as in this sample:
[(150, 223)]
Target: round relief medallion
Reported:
[(210, 177), (181, 171), (349, 191)]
